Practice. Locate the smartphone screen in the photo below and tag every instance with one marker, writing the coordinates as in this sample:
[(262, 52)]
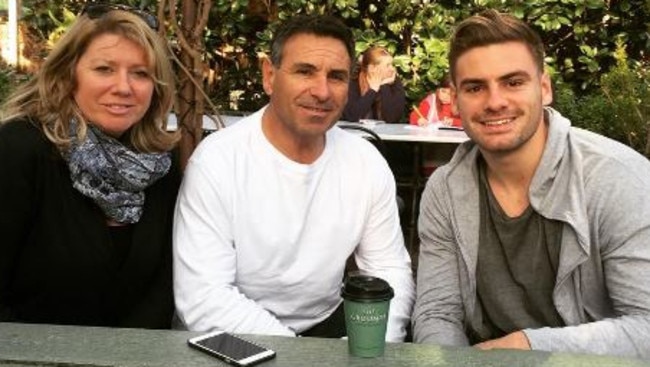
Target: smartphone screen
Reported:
[(232, 348)]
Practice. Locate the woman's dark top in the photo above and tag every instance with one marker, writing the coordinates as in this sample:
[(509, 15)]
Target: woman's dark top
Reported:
[(59, 261), (392, 99)]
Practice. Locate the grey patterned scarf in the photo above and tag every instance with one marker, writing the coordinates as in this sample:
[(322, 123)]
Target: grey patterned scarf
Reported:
[(111, 174)]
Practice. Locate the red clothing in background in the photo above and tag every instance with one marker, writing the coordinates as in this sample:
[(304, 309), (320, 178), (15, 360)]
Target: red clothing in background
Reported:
[(443, 110)]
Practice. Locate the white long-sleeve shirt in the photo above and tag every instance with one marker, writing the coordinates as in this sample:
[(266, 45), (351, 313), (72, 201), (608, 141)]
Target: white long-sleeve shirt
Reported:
[(261, 242)]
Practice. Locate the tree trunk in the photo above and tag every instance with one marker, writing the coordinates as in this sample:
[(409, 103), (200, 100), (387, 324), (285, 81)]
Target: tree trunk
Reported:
[(190, 104)]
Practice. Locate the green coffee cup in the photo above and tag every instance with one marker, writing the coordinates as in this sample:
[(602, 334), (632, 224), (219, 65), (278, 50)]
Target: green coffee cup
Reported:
[(366, 301)]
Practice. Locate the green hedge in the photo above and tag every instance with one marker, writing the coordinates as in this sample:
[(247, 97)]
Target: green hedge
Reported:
[(619, 109), (597, 87)]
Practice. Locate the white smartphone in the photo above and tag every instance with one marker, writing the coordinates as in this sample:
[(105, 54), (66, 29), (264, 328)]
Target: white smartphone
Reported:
[(231, 349)]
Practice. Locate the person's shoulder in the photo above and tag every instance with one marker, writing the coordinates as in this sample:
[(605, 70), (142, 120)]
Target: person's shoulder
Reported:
[(229, 139), (236, 130), (605, 156), (23, 135), (25, 148), (458, 171), (429, 97), (595, 155), (19, 127), (357, 154), (599, 146), (398, 82), (351, 141)]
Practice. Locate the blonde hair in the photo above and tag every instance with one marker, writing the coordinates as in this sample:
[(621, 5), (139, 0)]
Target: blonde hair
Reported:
[(371, 56), (47, 99)]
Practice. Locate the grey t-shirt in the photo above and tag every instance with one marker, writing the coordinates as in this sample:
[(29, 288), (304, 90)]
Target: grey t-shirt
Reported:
[(517, 267)]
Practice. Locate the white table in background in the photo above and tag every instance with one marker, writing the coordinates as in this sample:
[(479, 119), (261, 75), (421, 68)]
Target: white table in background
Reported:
[(412, 133), (418, 136)]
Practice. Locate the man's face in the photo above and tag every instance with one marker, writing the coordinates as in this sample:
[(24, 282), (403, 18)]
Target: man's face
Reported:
[(500, 94), (310, 88)]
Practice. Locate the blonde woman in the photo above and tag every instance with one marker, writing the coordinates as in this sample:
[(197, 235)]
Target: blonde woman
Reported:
[(88, 184)]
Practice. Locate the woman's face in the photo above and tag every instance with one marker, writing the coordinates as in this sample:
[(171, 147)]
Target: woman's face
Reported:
[(114, 85)]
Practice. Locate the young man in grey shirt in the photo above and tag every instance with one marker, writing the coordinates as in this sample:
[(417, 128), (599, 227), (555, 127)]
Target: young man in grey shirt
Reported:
[(536, 235)]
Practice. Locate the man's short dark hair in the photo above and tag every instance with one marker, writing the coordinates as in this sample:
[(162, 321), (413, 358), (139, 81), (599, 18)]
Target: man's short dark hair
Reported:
[(318, 25), (491, 27)]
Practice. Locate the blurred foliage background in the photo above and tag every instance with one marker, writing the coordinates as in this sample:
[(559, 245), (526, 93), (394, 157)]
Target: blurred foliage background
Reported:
[(597, 51)]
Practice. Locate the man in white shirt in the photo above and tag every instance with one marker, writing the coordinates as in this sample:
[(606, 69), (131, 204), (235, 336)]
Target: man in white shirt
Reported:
[(271, 208)]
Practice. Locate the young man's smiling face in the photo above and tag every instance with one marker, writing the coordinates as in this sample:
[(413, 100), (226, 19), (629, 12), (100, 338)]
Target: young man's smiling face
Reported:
[(500, 94)]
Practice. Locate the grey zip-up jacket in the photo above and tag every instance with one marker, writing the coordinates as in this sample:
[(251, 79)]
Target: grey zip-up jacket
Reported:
[(600, 189)]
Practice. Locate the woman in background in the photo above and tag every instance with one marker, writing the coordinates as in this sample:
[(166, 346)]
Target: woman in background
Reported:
[(376, 92), (88, 185)]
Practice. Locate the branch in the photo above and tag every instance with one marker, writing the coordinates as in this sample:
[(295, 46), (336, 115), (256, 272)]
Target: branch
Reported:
[(160, 14), (185, 47), (178, 32), (203, 15), (199, 89)]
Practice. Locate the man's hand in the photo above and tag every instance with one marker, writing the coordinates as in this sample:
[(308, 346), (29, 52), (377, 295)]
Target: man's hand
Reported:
[(516, 340)]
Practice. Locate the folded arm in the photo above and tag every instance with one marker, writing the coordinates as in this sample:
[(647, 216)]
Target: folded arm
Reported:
[(205, 289)]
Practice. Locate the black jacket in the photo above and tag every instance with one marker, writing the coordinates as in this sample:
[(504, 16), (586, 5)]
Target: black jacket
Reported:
[(393, 101), (56, 254)]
